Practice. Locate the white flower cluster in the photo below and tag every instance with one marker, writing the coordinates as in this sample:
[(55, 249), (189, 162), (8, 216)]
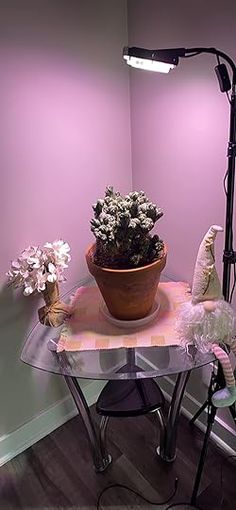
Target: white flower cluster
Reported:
[(35, 267)]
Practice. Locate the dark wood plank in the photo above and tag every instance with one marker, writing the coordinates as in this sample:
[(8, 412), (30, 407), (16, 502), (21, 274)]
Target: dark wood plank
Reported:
[(57, 472)]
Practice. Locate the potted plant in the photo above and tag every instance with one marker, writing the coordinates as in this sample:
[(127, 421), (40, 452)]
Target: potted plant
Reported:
[(126, 260)]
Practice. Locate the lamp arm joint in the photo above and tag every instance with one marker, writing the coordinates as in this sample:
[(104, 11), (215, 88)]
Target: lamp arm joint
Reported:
[(214, 51)]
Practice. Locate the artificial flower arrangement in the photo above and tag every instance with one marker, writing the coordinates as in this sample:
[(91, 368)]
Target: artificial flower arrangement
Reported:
[(39, 270)]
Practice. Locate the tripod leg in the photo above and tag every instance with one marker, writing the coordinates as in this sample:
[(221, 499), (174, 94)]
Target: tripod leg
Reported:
[(211, 417), (207, 401), (233, 412), (217, 381), (200, 411), (210, 420)]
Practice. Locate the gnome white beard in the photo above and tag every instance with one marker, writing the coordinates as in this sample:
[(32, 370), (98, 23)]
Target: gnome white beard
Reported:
[(201, 328)]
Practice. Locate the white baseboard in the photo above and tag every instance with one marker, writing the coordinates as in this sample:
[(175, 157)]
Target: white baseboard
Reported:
[(223, 435), (19, 440)]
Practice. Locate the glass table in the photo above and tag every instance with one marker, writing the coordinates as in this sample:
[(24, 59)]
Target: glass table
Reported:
[(138, 363)]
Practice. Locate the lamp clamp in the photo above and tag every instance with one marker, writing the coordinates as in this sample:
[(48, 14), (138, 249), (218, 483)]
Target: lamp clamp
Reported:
[(231, 150), (229, 256), (223, 77)]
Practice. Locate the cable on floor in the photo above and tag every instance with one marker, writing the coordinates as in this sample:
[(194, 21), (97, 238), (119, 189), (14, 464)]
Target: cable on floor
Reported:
[(121, 486)]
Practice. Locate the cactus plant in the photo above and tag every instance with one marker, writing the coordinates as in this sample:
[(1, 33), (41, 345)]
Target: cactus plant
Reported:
[(122, 226)]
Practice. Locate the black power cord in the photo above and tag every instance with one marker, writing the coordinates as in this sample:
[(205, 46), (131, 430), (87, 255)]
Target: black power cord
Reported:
[(173, 505), (183, 506), (121, 486), (188, 505)]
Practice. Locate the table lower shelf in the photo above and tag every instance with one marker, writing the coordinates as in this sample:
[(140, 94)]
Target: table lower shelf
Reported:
[(123, 398)]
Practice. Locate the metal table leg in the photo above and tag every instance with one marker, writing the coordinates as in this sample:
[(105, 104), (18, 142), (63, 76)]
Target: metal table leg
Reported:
[(168, 428), (100, 457), (103, 438)]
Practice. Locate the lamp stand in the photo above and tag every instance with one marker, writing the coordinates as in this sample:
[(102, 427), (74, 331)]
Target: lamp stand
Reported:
[(229, 258), (171, 56)]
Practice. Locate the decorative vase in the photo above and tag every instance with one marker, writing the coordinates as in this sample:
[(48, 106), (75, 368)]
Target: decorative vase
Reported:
[(54, 312), (128, 293)]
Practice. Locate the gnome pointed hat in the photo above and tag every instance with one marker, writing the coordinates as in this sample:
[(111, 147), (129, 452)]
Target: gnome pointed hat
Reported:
[(206, 284)]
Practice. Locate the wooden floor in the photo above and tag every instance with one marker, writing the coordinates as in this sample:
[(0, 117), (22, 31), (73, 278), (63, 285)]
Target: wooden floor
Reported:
[(57, 472)]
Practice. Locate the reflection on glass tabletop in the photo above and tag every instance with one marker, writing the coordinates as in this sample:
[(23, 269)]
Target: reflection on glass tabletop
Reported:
[(124, 363)]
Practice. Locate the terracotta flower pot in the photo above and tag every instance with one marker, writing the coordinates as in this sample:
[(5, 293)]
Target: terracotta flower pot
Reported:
[(128, 293)]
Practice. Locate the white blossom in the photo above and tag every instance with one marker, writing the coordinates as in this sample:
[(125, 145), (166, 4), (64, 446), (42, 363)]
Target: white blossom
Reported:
[(33, 256), (29, 289), (59, 252), (52, 273), (35, 267)]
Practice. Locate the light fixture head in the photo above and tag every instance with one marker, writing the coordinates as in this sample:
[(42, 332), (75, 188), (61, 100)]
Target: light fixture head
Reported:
[(161, 61)]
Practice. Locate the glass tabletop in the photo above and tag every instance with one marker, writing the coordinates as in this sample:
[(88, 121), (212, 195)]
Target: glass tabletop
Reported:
[(39, 351)]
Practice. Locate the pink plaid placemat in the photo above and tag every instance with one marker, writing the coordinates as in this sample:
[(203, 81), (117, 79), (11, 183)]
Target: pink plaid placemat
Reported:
[(88, 329)]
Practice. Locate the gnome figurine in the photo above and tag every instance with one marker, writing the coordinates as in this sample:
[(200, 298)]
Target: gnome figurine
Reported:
[(207, 320)]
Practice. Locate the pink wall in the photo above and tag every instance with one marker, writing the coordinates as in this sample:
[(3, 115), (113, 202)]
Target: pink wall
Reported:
[(64, 136), (180, 123), (179, 126), (64, 124)]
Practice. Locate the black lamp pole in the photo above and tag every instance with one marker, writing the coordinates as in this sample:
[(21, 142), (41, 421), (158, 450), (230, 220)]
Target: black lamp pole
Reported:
[(172, 56), (229, 255), (229, 258)]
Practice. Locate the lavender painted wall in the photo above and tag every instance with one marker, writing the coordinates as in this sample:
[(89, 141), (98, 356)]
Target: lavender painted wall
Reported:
[(64, 135), (180, 122), (179, 126)]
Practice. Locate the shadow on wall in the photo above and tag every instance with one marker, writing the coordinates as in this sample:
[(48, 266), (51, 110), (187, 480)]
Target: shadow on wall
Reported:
[(17, 313)]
